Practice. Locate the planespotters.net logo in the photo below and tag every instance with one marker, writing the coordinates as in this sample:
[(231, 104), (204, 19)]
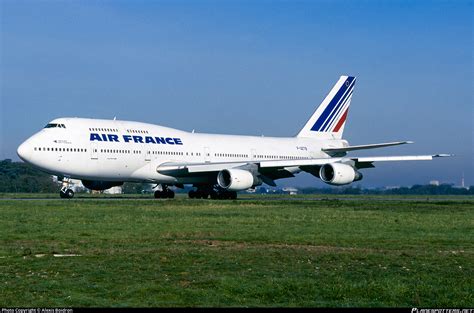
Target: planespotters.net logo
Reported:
[(415, 310)]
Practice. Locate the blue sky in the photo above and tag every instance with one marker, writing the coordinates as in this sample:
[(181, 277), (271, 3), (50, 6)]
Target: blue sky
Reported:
[(249, 67)]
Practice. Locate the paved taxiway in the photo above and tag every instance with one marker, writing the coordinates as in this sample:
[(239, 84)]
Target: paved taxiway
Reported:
[(263, 198)]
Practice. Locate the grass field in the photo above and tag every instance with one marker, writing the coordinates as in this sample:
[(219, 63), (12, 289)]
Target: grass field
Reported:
[(297, 253)]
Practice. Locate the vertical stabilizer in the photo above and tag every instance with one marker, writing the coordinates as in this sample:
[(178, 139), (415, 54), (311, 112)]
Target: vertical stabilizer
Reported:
[(330, 117)]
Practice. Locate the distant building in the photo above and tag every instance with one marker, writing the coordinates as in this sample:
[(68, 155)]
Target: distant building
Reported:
[(434, 182), (114, 190), (462, 186), (290, 190)]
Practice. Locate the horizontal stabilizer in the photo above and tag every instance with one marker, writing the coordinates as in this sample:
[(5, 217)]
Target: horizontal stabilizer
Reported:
[(365, 147)]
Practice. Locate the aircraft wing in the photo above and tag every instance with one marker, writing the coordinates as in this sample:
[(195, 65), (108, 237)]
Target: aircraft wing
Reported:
[(323, 161), (282, 168)]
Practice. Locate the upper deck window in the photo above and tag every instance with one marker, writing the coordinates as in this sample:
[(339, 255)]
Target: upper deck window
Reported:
[(53, 125)]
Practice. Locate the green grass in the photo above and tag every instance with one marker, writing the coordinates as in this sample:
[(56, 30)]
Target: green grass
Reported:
[(139, 252)]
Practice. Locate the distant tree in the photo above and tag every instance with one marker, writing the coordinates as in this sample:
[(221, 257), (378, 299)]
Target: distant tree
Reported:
[(22, 177)]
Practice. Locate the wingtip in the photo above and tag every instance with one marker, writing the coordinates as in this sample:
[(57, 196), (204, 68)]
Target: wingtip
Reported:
[(443, 155)]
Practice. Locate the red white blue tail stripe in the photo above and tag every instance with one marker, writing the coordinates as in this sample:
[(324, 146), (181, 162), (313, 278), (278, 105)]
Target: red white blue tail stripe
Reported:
[(331, 114), (336, 110)]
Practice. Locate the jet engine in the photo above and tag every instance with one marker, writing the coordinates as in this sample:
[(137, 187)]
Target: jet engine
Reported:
[(236, 179), (100, 185), (339, 174)]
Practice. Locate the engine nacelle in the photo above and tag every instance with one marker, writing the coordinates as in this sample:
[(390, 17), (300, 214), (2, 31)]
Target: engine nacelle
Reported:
[(100, 185), (236, 179), (339, 174)]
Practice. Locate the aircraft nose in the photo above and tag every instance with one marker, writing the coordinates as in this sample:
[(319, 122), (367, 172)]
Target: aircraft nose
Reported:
[(24, 151)]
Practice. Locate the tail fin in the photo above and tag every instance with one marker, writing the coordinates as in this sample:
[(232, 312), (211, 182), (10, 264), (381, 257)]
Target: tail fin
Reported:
[(330, 117)]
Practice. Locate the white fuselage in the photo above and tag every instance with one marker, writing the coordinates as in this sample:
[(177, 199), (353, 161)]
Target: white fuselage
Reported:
[(112, 150), (105, 153)]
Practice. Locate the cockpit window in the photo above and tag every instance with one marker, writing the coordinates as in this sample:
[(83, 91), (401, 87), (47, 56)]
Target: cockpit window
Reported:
[(53, 125)]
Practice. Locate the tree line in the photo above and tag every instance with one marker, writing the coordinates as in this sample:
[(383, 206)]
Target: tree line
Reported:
[(442, 189), (22, 177)]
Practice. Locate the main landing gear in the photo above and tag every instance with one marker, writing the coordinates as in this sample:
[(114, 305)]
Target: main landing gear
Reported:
[(213, 193), (66, 192), (164, 193)]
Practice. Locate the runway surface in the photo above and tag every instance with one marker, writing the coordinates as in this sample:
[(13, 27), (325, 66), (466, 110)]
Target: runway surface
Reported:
[(262, 198)]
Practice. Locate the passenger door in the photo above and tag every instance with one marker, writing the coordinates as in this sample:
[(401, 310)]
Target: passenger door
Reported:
[(207, 155), (94, 151), (253, 154), (147, 151)]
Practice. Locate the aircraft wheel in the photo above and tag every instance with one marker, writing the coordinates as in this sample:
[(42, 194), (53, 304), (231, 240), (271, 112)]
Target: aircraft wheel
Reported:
[(68, 194), (192, 194), (170, 194), (158, 194)]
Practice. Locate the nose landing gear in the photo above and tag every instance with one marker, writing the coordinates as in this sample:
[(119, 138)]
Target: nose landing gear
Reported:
[(66, 192)]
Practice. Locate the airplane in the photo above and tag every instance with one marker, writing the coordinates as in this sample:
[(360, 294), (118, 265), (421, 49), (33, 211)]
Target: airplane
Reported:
[(106, 153)]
